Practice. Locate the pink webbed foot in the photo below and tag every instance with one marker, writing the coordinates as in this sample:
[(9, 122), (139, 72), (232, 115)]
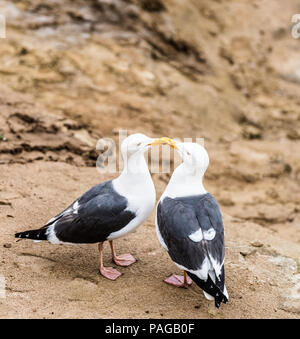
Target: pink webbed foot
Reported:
[(110, 273), (178, 281), (124, 259)]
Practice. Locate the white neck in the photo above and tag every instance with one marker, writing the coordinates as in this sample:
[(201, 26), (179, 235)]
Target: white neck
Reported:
[(185, 183), (135, 178)]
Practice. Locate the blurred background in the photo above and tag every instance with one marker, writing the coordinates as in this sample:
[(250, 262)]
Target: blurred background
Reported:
[(227, 71)]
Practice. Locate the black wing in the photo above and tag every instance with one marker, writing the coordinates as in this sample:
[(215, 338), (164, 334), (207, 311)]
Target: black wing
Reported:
[(90, 219), (104, 187), (94, 220), (177, 220), (209, 217)]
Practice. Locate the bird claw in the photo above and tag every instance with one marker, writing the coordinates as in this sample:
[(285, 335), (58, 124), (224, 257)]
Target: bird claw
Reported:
[(124, 260), (109, 273), (178, 281)]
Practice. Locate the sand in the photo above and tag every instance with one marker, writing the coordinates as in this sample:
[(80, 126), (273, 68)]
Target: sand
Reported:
[(76, 71)]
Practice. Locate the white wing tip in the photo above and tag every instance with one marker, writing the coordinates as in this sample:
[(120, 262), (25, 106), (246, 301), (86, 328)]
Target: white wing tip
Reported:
[(208, 296), (196, 236), (209, 234), (225, 292)]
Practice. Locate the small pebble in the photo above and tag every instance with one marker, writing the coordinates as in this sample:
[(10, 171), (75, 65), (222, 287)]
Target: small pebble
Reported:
[(7, 245), (247, 252)]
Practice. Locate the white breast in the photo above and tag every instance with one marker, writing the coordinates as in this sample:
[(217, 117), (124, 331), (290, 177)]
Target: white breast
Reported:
[(141, 202)]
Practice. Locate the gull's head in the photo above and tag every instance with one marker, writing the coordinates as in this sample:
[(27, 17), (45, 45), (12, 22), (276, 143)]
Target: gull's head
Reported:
[(139, 143), (194, 156)]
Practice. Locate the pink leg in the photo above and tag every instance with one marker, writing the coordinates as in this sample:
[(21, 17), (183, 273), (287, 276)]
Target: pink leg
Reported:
[(179, 280), (107, 272), (121, 260)]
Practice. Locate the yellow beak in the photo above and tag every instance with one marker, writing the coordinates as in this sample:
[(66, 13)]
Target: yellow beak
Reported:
[(164, 141)]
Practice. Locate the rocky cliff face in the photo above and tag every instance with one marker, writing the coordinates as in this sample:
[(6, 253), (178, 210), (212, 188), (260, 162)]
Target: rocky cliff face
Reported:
[(226, 71)]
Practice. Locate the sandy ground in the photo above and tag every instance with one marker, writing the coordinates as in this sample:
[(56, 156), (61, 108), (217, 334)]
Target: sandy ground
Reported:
[(45, 280), (74, 71)]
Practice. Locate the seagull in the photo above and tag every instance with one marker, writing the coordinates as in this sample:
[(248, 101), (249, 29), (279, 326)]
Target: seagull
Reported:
[(189, 225), (109, 210)]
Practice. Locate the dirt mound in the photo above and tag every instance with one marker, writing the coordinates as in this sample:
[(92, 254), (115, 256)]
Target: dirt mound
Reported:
[(30, 133)]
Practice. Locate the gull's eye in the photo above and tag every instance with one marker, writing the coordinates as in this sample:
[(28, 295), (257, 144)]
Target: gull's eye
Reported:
[(188, 153), (139, 144)]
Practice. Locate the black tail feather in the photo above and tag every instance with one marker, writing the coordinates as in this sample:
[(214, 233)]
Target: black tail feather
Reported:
[(39, 234), (211, 288)]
